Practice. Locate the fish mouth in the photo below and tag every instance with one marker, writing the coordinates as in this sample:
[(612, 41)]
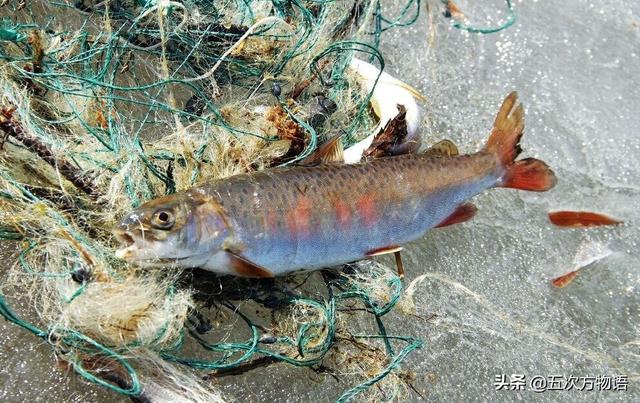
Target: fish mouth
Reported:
[(125, 238), (128, 246), (130, 251), (129, 254), (126, 253)]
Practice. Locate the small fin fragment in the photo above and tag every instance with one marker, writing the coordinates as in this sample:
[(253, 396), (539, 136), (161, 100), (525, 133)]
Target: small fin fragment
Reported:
[(445, 148), (529, 174), (565, 279), (383, 251), (463, 212), (330, 151), (581, 219), (246, 268)]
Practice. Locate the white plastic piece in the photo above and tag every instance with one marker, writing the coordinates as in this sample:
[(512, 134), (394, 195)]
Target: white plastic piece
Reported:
[(389, 92)]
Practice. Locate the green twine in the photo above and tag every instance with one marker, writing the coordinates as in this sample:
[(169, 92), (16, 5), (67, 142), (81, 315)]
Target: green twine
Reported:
[(73, 338), (412, 344), (9, 234), (511, 19), (11, 32), (78, 340), (10, 35), (345, 51), (8, 314), (236, 353), (88, 64)]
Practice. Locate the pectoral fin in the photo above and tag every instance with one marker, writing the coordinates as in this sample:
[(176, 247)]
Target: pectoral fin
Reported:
[(463, 213), (247, 268)]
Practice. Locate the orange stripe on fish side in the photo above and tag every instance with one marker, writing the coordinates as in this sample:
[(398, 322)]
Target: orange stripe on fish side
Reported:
[(343, 214), (272, 220), (367, 209), (299, 219)]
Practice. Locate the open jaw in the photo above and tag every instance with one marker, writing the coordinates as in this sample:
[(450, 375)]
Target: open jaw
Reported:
[(125, 238), (139, 251), (130, 250), (127, 245)]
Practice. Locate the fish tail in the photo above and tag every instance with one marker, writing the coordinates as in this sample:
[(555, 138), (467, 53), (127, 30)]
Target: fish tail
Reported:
[(504, 142)]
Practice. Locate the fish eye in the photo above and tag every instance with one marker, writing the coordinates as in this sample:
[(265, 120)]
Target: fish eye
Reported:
[(163, 219)]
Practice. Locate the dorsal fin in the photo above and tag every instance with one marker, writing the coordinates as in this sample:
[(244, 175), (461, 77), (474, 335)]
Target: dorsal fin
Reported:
[(330, 151), (445, 148)]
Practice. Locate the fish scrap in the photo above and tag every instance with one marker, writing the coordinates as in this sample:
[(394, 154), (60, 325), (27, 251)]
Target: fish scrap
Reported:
[(581, 219)]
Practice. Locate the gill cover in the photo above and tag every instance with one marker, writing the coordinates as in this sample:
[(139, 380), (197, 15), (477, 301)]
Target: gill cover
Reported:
[(183, 229)]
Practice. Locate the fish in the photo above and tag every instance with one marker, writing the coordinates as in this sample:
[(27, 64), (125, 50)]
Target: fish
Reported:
[(287, 219)]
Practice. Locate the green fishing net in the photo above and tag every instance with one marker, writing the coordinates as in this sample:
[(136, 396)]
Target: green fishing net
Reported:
[(107, 104)]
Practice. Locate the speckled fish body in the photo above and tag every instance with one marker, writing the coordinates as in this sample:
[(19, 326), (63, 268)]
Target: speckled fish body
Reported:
[(282, 220), (311, 217)]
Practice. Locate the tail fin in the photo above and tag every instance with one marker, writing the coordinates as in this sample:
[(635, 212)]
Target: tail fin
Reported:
[(504, 143)]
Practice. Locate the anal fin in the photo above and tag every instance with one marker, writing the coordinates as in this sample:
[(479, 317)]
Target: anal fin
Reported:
[(246, 268), (462, 213)]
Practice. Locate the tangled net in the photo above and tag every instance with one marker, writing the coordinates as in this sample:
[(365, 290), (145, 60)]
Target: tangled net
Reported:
[(141, 99), (107, 104)]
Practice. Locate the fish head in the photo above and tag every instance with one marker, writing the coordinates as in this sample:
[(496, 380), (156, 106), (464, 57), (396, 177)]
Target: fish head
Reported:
[(183, 229)]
